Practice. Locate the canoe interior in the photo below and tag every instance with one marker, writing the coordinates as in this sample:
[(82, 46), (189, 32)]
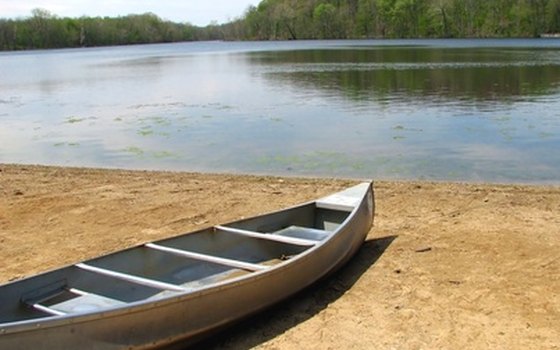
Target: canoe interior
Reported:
[(147, 272)]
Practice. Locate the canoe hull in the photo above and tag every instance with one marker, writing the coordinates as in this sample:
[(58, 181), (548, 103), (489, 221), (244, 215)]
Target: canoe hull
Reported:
[(164, 322)]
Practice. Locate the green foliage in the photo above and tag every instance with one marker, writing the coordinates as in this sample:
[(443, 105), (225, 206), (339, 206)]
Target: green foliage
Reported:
[(45, 30), (325, 16), (297, 19), (333, 19)]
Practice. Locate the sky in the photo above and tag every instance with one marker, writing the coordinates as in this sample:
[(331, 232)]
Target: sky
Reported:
[(197, 12)]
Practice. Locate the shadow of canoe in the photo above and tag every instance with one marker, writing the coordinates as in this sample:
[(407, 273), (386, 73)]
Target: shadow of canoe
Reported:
[(278, 319)]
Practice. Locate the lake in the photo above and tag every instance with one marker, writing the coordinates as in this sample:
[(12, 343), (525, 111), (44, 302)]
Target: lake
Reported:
[(459, 110)]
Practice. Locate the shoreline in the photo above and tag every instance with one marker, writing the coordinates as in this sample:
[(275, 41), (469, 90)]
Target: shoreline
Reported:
[(446, 264), (553, 184)]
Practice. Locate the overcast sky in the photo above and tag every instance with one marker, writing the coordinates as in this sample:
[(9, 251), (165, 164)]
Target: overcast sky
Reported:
[(197, 12)]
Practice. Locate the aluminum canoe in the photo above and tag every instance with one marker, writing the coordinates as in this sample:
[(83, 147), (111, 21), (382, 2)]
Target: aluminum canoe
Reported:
[(178, 289)]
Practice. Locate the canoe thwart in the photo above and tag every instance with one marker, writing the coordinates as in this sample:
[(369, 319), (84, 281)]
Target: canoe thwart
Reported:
[(208, 258), (131, 278), (267, 236), (48, 310)]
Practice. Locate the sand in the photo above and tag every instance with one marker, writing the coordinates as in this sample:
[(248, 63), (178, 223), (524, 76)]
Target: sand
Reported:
[(446, 265)]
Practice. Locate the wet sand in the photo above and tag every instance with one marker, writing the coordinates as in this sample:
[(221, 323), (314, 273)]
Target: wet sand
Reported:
[(446, 265)]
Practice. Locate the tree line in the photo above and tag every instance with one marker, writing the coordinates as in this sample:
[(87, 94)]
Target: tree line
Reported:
[(44, 30), (297, 19), (336, 19)]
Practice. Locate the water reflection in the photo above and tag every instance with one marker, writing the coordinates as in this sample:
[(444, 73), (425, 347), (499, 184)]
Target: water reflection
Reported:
[(469, 110), (425, 75)]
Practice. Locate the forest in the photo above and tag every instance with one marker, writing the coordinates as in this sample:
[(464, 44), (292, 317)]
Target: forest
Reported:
[(44, 30), (336, 19), (297, 19)]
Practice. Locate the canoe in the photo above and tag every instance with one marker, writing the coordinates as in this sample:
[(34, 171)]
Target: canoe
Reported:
[(184, 287)]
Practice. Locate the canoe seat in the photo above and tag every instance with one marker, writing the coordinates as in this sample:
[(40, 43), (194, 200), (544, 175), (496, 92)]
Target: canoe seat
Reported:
[(66, 300), (85, 302), (303, 233)]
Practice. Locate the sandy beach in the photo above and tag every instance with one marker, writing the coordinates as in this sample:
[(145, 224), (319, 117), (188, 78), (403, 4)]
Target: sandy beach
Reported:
[(445, 266)]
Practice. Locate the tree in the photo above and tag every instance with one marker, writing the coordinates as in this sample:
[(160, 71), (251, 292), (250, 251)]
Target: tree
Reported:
[(41, 24), (324, 16), (286, 15), (553, 19), (366, 18), (538, 13)]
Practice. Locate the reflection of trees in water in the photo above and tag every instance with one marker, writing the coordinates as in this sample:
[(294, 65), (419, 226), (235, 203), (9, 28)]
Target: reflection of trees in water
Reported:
[(454, 74)]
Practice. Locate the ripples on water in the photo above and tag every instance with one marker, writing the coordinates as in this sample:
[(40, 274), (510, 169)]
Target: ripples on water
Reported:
[(476, 110), (341, 67)]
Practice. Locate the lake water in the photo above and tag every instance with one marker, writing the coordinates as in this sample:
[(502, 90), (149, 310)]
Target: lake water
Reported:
[(473, 110)]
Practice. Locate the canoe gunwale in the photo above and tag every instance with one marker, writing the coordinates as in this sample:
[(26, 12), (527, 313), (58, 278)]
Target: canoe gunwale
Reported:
[(140, 306)]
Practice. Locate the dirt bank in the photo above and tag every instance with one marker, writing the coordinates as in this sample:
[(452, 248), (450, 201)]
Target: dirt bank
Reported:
[(446, 266)]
